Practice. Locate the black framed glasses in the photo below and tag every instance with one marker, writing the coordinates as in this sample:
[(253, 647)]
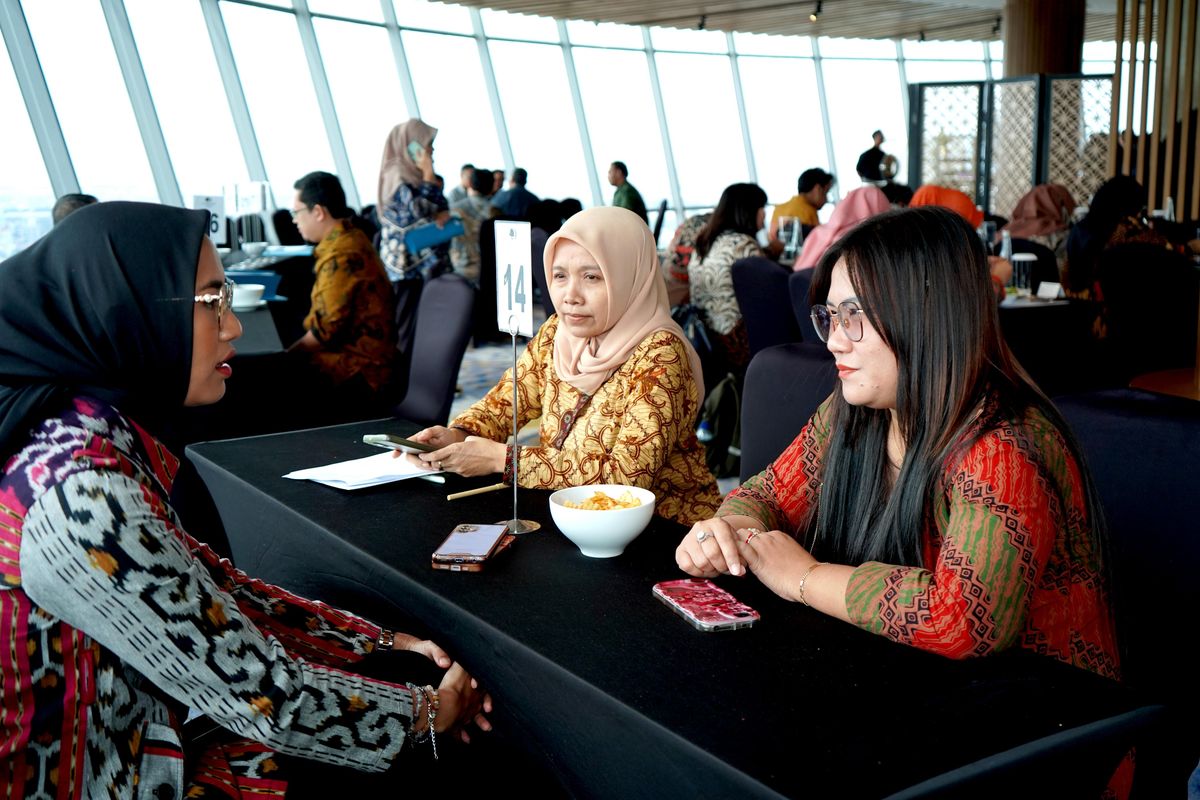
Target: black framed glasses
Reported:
[(847, 314), (221, 302)]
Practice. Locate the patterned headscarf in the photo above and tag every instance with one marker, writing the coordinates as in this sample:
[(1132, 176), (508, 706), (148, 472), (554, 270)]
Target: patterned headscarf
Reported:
[(102, 306), (398, 166), (637, 297)]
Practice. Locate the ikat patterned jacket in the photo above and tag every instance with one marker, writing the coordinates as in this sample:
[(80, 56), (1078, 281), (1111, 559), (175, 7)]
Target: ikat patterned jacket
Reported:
[(1009, 560), (113, 622), (638, 429)]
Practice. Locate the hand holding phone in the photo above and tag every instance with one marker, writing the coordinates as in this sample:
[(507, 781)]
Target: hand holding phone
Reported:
[(391, 442), (416, 151), (704, 604)]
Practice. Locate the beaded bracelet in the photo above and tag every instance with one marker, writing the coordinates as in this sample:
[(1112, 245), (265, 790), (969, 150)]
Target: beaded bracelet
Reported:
[(418, 698), (804, 580)]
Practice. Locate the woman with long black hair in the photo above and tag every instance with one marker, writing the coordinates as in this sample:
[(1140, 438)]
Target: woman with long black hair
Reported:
[(937, 497), (728, 236)]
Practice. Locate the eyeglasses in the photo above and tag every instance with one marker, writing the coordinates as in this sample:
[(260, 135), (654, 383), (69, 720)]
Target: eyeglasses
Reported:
[(222, 301), (848, 315), (295, 212)]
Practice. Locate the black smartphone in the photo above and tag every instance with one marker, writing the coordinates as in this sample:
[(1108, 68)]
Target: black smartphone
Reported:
[(397, 443)]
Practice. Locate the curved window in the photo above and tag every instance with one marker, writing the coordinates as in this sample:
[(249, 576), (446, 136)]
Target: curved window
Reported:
[(366, 93), (448, 79), (189, 97), (541, 124), (863, 96), (279, 91), (25, 193), (784, 112), (90, 100), (622, 121)]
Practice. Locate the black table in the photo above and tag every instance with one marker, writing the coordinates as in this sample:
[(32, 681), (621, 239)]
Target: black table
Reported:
[(621, 696), (259, 334)]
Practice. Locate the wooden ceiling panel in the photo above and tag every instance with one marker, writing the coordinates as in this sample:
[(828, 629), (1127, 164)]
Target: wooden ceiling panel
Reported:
[(861, 19)]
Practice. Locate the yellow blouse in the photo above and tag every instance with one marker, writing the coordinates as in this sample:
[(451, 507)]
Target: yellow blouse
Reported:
[(638, 428)]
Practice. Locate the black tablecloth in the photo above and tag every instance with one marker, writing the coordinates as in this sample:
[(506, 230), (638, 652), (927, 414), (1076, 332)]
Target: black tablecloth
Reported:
[(621, 696)]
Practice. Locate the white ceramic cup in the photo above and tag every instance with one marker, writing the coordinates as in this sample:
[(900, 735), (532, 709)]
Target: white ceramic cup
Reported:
[(247, 295)]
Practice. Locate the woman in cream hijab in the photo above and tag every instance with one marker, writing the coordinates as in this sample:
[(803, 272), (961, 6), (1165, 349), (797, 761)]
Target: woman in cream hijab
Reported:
[(613, 379)]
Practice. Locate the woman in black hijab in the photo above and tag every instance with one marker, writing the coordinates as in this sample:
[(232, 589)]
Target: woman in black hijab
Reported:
[(115, 621)]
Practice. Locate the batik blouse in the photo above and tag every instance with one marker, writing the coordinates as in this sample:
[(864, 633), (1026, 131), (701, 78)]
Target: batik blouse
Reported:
[(638, 429), (353, 309), (113, 622), (1009, 554), (711, 282)]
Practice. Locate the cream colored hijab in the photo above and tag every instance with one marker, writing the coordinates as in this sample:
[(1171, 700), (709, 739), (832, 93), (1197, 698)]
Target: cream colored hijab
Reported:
[(397, 166), (637, 297)]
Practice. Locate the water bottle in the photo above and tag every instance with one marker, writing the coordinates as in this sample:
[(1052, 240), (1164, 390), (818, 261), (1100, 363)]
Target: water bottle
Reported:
[(705, 432), (1006, 245)]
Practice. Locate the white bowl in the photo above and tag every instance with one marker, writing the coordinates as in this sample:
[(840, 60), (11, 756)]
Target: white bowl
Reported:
[(254, 249), (247, 295), (601, 534)]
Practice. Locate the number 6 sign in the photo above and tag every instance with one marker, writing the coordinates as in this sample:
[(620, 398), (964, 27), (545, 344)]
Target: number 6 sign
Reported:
[(514, 280)]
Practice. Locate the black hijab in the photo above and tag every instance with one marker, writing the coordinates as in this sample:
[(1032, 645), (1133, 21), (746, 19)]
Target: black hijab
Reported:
[(102, 306)]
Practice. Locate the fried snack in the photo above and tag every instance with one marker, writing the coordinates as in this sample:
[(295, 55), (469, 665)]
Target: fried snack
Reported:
[(602, 502)]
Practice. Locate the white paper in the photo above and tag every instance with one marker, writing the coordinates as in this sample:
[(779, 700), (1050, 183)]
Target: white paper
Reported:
[(1049, 290), (363, 472), (514, 278)]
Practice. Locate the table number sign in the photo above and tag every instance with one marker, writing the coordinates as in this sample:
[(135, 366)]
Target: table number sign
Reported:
[(214, 205), (514, 279), (514, 315)]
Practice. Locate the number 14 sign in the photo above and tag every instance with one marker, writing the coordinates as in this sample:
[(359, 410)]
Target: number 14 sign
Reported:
[(514, 280)]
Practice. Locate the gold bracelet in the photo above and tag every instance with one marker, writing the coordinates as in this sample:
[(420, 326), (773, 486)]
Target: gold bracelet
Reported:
[(804, 580), (386, 640)]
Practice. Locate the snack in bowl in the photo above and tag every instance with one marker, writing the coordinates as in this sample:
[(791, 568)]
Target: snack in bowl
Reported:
[(602, 519), (602, 502)]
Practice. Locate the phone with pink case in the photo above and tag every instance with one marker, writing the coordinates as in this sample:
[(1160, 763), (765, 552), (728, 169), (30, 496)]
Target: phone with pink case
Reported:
[(704, 604)]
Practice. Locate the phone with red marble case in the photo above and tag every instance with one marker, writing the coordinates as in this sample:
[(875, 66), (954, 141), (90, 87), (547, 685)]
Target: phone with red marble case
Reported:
[(704, 604)]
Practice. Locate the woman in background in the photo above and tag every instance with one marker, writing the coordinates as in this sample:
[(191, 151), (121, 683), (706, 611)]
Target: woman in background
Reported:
[(615, 383), (729, 235), (409, 196), (858, 204)]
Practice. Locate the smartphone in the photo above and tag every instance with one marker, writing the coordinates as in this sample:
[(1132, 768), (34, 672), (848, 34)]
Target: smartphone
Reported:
[(704, 604), (397, 443), (469, 546), (415, 151)]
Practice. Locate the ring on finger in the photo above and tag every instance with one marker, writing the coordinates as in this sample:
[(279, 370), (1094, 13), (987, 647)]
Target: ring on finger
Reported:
[(702, 535), (752, 533)]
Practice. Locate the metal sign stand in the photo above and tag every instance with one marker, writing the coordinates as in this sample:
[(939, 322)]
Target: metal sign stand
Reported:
[(516, 525)]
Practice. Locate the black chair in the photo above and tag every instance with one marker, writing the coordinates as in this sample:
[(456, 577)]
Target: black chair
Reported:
[(658, 223), (798, 286), (784, 386), (443, 329), (1075, 763), (1046, 266), (250, 228), (286, 232), (1144, 454), (1151, 296), (760, 285)]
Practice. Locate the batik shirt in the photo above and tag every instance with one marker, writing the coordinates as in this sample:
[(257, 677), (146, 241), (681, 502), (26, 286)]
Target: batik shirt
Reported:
[(1009, 555), (638, 429), (353, 309), (113, 622), (711, 282)]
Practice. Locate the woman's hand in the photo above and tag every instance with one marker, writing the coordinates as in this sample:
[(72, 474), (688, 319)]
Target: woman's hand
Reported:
[(471, 457), (775, 558), (710, 547), (406, 641), (460, 702), (439, 436)]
